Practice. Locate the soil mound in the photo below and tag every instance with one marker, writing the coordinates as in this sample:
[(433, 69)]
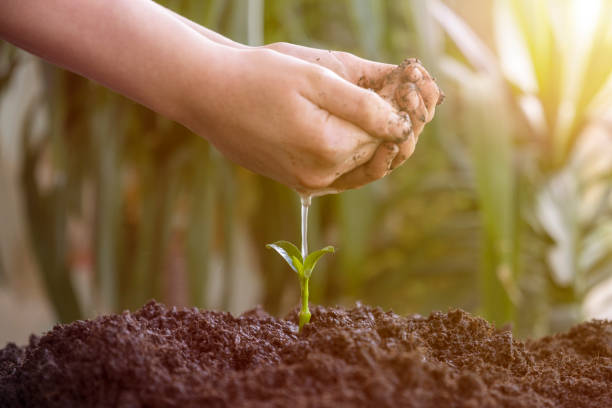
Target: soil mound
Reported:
[(363, 357)]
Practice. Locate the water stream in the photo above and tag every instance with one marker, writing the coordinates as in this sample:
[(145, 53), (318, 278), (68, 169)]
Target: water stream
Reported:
[(306, 200)]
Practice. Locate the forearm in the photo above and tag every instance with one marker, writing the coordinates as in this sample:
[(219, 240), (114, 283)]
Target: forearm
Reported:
[(132, 46), (211, 35)]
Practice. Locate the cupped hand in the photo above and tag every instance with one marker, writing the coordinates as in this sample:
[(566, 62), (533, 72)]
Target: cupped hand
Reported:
[(419, 97), (297, 122)]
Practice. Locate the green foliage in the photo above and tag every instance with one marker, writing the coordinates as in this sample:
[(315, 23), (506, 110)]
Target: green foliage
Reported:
[(303, 267), (530, 173)]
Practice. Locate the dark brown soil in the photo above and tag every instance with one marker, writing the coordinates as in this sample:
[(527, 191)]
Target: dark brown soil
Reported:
[(364, 357)]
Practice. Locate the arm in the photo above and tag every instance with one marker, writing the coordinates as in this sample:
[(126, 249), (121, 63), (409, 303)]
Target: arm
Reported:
[(356, 70), (277, 115), (128, 46), (359, 71), (211, 35)]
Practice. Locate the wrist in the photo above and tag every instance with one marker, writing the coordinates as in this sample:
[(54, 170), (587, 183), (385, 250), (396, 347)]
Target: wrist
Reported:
[(207, 78)]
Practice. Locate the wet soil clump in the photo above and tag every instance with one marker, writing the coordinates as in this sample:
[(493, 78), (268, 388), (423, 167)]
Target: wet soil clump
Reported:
[(362, 357)]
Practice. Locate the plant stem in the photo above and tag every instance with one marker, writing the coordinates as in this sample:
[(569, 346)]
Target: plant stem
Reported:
[(304, 312)]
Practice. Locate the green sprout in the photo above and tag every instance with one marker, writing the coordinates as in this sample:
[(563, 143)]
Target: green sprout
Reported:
[(303, 268)]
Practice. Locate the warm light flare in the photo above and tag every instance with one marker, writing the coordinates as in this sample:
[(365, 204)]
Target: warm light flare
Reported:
[(585, 15)]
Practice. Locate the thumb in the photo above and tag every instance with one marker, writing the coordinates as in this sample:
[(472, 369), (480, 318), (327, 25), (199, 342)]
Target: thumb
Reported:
[(362, 107)]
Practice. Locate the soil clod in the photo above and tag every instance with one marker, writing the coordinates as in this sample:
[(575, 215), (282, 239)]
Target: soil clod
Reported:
[(362, 357)]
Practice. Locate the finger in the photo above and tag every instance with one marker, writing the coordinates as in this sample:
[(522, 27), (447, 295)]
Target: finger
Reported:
[(359, 71), (363, 72), (409, 99), (431, 94), (323, 58), (406, 150), (426, 86), (378, 167), (335, 145), (359, 106), (405, 72), (345, 145), (373, 74)]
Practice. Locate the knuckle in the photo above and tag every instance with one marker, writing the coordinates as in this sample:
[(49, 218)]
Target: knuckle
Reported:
[(317, 74), (342, 55), (279, 46)]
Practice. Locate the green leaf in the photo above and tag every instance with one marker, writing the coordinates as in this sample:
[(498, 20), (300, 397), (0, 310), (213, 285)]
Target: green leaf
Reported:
[(475, 50), (313, 258), (298, 264), (289, 252)]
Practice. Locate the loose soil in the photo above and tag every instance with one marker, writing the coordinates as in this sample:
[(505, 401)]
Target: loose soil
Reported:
[(363, 357)]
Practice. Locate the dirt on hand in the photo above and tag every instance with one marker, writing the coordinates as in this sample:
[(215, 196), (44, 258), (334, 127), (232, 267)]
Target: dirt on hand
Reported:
[(407, 77), (363, 357)]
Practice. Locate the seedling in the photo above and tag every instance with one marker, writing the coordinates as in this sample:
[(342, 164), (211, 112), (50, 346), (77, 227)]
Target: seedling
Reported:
[(292, 255)]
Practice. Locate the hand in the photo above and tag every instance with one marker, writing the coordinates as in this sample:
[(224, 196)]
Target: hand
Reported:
[(296, 122), (359, 71), (366, 74), (376, 76)]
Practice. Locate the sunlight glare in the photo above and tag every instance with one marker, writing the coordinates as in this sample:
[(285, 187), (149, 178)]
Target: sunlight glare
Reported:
[(514, 57), (586, 14)]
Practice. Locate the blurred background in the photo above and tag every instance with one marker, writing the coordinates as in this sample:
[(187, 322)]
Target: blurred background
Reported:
[(504, 210)]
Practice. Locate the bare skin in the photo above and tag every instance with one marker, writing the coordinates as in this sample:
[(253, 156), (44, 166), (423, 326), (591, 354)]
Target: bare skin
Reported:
[(294, 114), (373, 75)]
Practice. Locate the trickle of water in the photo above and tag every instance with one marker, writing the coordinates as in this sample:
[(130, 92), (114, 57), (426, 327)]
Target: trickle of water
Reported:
[(306, 200)]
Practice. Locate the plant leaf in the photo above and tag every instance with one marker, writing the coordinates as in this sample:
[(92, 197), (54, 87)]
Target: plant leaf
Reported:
[(289, 252), (298, 264), (313, 258), (473, 48)]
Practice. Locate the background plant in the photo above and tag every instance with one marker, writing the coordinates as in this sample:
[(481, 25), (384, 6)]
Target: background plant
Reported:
[(504, 209)]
